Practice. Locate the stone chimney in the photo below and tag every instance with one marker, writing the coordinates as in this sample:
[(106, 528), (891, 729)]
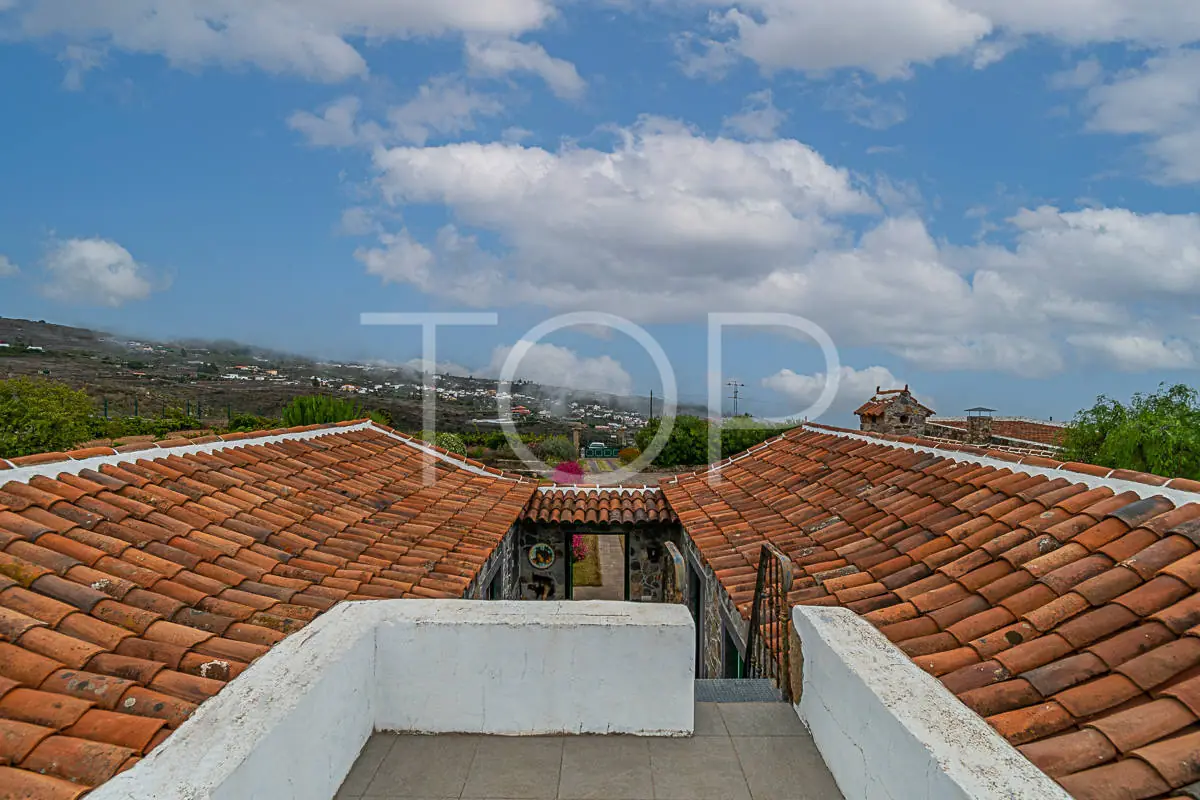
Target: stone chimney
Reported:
[(979, 425)]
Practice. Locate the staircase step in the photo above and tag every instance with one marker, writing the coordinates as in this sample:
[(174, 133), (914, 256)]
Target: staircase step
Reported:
[(737, 690)]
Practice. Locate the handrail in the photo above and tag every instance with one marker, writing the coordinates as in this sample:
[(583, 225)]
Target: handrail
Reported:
[(768, 642)]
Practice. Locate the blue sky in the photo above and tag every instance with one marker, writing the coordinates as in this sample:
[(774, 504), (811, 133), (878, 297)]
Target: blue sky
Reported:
[(990, 201)]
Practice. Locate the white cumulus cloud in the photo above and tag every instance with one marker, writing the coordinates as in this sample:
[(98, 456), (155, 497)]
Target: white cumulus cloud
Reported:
[(758, 119), (855, 386), (96, 272), (1134, 352), (442, 107), (398, 259), (500, 57), (314, 39), (1158, 102), (7, 266), (700, 224), (887, 38), (552, 365)]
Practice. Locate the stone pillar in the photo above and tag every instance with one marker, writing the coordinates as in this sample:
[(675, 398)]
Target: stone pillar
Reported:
[(979, 429)]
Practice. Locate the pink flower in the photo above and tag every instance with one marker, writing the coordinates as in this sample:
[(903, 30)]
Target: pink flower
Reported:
[(579, 548), (567, 472)]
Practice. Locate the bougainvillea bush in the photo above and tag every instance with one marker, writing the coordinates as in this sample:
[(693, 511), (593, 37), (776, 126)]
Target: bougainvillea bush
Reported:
[(567, 472), (579, 548)]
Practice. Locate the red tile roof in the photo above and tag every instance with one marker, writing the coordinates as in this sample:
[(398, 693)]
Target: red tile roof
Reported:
[(1027, 430), (599, 506), (1062, 606), (132, 589), (884, 398)]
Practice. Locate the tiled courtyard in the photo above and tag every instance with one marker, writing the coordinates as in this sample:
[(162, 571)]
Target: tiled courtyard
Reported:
[(741, 751)]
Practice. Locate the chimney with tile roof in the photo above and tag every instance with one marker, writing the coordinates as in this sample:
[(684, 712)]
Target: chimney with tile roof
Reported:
[(893, 411)]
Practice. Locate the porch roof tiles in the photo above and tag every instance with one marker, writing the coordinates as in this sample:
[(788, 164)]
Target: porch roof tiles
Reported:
[(1062, 606), (622, 506), (133, 587)]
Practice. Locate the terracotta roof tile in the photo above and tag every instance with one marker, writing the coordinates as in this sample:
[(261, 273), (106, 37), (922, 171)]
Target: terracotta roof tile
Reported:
[(1128, 778), (1070, 752), (1057, 607), (132, 591)]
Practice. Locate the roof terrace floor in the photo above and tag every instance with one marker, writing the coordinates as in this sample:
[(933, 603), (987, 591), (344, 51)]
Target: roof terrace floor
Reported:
[(741, 751)]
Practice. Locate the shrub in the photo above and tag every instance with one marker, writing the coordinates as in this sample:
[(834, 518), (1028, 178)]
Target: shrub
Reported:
[(579, 548), (628, 454), (40, 416), (450, 442), (567, 472), (321, 409), (245, 423), (158, 427), (559, 448)]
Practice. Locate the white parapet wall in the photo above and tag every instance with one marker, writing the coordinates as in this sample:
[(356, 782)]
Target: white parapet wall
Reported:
[(291, 726), (576, 667), (889, 731)]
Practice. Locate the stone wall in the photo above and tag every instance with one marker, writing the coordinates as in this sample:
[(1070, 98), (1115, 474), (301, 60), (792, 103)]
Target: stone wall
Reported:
[(550, 583), (717, 615), (647, 563), (499, 564), (509, 572)]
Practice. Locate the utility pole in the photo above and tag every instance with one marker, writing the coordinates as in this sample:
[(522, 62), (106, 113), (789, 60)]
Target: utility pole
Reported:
[(736, 386), (651, 406)]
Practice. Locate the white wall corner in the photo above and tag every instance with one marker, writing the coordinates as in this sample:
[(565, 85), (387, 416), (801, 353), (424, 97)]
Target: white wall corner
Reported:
[(291, 726), (233, 745), (890, 731)]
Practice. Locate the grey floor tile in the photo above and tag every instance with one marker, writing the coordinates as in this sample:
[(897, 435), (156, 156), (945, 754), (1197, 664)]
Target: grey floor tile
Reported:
[(372, 756), (785, 768), (605, 767), (424, 766), (762, 719), (523, 767), (700, 768), (709, 721)]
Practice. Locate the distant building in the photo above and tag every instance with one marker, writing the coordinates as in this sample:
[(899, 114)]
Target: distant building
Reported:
[(893, 411)]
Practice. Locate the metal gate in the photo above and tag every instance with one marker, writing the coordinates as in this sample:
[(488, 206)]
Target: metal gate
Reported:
[(769, 640)]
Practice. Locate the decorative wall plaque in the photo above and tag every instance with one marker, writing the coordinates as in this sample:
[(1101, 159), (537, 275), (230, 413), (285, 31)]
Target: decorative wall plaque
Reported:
[(541, 556)]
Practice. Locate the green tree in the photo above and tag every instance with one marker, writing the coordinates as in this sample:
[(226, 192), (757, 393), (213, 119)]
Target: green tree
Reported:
[(1157, 433), (556, 448), (688, 443), (321, 409), (40, 416)]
